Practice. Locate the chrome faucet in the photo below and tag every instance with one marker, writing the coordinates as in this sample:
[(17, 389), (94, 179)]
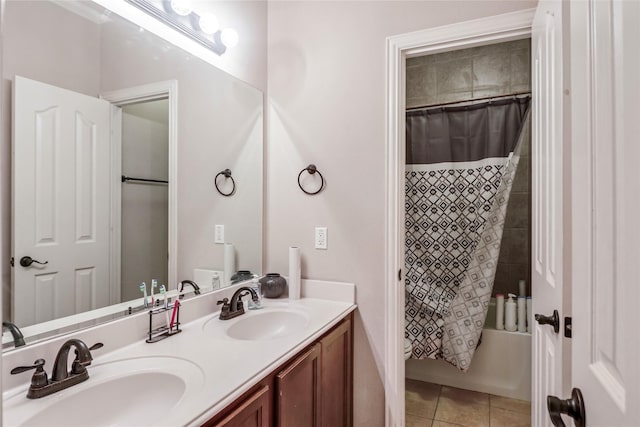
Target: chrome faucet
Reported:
[(18, 338), (235, 307), (194, 285), (60, 378), (78, 367)]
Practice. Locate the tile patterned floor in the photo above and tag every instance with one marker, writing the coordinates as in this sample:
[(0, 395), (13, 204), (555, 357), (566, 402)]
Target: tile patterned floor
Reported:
[(433, 405)]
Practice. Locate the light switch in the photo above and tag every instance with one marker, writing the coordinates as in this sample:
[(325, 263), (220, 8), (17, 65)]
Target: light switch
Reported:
[(219, 238), (321, 238)]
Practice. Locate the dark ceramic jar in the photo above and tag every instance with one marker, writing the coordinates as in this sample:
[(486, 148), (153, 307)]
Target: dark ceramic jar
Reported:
[(241, 276), (273, 285)]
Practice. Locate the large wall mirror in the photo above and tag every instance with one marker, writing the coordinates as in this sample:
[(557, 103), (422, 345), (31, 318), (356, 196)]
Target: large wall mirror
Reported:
[(117, 137)]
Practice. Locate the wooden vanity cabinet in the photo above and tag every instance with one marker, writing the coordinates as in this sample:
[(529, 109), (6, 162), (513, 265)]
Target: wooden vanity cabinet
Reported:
[(253, 411), (336, 370), (298, 391), (312, 389)]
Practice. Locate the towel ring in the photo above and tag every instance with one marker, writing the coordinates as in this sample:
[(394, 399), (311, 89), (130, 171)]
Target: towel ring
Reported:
[(227, 174), (311, 169)]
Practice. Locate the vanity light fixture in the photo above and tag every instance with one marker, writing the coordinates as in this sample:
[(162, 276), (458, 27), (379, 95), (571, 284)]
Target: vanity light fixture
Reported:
[(180, 15), (181, 7), (229, 37), (209, 24)]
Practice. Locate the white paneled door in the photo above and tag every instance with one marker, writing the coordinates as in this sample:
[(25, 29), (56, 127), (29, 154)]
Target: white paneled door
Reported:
[(61, 194), (547, 206), (605, 204)]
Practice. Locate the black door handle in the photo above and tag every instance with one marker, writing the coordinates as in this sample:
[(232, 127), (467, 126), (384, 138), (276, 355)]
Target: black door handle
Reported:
[(553, 320), (573, 407), (26, 261)]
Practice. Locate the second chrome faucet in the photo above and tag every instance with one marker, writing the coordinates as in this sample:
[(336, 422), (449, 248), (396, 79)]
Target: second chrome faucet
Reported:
[(235, 307)]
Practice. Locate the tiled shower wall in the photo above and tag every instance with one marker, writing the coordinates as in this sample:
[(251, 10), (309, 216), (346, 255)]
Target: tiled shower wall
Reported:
[(484, 71)]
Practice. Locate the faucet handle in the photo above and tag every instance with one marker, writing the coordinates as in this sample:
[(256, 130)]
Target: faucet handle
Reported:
[(96, 346), (38, 364), (226, 308), (78, 367), (93, 347), (39, 378)]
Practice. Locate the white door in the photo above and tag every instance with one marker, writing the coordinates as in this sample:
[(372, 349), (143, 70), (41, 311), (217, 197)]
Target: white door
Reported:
[(60, 203), (547, 204), (605, 203)]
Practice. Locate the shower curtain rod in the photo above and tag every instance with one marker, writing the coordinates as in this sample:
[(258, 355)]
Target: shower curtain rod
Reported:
[(470, 101)]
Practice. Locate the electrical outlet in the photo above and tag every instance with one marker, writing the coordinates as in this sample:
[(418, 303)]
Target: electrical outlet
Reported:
[(219, 237), (321, 238)]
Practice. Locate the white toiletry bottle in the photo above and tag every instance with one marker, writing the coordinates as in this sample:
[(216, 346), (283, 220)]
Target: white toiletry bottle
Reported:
[(499, 311), (522, 287), (510, 314), (215, 281), (522, 314)]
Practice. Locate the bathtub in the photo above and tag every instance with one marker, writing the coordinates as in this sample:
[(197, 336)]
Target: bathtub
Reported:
[(500, 366)]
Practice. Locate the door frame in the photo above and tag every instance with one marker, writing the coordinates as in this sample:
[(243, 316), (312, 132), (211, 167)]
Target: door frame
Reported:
[(462, 35), (154, 91)]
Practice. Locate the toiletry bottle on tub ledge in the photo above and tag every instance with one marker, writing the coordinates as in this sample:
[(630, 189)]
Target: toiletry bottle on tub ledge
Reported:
[(510, 314), (499, 312)]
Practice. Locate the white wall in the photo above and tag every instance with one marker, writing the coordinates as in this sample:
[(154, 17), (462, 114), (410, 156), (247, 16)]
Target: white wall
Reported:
[(326, 86)]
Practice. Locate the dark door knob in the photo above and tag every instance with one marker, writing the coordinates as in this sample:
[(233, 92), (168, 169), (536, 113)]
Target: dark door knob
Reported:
[(573, 407), (553, 320), (26, 261)]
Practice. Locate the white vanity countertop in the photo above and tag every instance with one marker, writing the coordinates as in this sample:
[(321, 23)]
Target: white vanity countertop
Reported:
[(229, 367)]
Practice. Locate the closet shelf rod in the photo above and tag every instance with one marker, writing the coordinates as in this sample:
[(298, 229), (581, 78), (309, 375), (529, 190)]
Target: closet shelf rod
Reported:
[(129, 178)]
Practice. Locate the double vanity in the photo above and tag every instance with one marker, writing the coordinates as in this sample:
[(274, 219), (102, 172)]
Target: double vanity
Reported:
[(288, 363)]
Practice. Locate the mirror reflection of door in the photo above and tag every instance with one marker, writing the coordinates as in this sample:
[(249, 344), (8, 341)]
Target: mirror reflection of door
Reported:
[(144, 202), (61, 215), (60, 206)]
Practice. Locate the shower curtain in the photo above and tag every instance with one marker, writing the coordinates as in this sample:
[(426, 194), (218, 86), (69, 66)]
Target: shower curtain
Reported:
[(460, 165)]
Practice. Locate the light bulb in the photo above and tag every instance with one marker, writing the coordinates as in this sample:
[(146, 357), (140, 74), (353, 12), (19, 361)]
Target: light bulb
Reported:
[(181, 7), (209, 23), (229, 37)]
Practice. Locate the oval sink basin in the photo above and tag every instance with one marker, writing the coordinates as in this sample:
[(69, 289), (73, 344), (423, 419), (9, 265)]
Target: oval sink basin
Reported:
[(267, 325), (126, 392)]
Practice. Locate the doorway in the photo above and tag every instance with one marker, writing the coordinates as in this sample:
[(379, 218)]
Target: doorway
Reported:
[(501, 28), (144, 216), (149, 101)]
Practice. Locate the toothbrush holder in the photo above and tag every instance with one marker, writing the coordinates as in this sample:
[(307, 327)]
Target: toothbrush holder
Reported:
[(164, 331)]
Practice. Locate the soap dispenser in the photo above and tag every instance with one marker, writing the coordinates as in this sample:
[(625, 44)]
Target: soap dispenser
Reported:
[(510, 314)]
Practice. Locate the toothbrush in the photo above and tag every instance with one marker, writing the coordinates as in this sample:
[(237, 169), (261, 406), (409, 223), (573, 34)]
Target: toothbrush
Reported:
[(143, 289), (166, 310), (163, 292), (154, 284), (176, 304)]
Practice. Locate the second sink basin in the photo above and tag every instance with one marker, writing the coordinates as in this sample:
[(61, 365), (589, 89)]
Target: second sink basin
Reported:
[(266, 324)]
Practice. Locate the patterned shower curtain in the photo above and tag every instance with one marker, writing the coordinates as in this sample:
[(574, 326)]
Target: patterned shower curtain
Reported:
[(460, 165)]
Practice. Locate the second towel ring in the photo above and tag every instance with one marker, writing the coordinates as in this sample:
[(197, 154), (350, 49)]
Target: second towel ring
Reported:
[(227, 174), (311, 169)]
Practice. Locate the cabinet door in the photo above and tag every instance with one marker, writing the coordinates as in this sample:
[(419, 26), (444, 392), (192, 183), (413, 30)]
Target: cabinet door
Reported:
[(298, 391), (337, 383), (255, 411)]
